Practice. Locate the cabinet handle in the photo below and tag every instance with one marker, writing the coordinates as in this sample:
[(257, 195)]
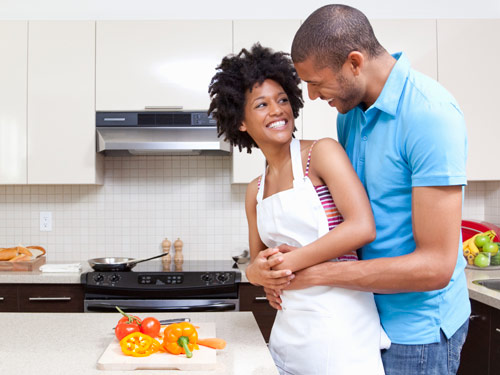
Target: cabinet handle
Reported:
[(260, 298), (497, 329), (473, 317), (1, 298), (165, 107), (49, 298)]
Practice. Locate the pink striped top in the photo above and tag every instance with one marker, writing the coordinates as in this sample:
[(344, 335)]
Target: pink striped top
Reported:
[(332, 213)]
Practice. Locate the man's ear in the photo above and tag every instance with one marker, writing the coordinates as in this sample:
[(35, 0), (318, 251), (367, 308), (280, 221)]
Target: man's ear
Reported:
[(356, 60), (243, 127)]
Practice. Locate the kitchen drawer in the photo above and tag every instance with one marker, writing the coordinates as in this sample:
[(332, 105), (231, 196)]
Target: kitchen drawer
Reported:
[(8, 298), (50, 297), (253, 298), (495, 342)]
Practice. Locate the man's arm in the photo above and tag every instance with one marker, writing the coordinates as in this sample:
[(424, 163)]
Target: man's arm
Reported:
[(436, 219)]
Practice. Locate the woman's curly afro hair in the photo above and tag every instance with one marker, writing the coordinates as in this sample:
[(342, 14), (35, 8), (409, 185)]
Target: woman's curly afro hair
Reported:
[(238, 74)]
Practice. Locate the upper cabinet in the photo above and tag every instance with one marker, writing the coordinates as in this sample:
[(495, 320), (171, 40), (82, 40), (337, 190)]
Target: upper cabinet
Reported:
[(275, 34), (464, 45), (13, 71), (158, 64), (61, 103)]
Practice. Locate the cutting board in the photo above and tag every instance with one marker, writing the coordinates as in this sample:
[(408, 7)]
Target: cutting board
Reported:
[(204, 359)]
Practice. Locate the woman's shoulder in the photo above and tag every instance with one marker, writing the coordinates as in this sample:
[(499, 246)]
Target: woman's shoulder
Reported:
[(321, 145)]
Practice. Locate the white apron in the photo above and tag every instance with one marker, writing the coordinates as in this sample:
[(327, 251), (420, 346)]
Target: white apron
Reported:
[(320, 330)]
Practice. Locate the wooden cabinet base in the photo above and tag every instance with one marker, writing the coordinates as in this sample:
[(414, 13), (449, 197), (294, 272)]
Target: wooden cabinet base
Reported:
[(253, 298)]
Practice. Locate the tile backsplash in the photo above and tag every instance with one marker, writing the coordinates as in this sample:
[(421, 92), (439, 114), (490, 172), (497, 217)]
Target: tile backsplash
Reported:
[(145, 199)]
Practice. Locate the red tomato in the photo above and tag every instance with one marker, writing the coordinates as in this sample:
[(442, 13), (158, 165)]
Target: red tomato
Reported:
[(151, 327), (124, 329)]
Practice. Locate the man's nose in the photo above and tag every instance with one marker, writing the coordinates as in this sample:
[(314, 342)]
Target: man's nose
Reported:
[(312, 92)]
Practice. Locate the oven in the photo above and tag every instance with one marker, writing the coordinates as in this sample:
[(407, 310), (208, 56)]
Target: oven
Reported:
[(152, 287)]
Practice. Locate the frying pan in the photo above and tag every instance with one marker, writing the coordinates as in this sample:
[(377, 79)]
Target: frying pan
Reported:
[(118, 264)]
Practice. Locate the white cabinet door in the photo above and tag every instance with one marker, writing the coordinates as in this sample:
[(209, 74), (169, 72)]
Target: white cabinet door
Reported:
[(277, 35), (468, 58), (61, 103), (13, 66), (151, 64), (416, 38)]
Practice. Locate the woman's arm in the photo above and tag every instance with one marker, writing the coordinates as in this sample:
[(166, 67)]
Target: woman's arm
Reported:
[(331, 166), (259, 271)]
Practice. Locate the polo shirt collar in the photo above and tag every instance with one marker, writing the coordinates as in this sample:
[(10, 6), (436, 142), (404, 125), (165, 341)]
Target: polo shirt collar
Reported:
[(388, 99)]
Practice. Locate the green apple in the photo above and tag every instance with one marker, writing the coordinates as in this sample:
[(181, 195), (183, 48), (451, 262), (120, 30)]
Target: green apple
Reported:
[(490, 247), (482, 260), (481, 240)]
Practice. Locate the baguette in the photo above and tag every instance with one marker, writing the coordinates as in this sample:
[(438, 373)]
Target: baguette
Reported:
[(8, 254), (21, 258), (37, 248), (23, 250)]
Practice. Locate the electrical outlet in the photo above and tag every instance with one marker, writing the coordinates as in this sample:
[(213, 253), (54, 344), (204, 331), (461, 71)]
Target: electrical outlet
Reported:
[(46, 221)]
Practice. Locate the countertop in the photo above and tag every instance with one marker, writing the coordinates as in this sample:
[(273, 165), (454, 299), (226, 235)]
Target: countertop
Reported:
[(476, 292), (72, 343)]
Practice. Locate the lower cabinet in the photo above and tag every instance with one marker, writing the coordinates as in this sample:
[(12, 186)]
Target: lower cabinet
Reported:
[(41, 298), (253, 298), (481, 351)]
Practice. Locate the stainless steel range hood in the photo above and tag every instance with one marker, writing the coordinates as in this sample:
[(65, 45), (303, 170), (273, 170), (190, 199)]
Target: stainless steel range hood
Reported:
[(158, 133)]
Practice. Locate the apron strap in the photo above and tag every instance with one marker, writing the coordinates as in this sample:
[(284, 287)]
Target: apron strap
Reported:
[(298, 171), (260, 186)]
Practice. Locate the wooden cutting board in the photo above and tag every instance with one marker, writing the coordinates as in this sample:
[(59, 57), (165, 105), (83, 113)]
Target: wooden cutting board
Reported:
[(204, 359)]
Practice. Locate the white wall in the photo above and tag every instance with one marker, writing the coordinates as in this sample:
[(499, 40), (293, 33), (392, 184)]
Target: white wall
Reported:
[(237, 9)]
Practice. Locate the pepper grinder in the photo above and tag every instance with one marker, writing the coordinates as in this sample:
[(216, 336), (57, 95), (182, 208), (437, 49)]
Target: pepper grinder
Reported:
[(167, 259), (178, 257)]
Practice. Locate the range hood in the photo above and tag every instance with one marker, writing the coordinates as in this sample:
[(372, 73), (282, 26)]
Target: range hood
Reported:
[(158, 133)]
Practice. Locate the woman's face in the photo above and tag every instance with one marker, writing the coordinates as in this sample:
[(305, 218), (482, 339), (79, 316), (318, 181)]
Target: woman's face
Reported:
[(268, 114)]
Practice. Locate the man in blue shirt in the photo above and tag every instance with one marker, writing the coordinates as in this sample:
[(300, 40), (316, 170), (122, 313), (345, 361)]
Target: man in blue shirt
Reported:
[(405, 136)]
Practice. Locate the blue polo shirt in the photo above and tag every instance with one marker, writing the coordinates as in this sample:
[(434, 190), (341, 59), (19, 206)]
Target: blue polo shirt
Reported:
[(413, 135)]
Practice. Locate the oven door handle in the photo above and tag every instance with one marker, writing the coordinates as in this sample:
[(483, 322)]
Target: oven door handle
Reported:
[(218, 306)]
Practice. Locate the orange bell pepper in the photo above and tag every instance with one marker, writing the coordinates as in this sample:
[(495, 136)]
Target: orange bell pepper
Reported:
[(180, 338)]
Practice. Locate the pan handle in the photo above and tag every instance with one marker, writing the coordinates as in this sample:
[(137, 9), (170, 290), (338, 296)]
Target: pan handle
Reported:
[(134, 262)]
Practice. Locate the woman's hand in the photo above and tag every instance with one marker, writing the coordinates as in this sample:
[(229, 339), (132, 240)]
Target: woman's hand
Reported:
[(273, 296), (260, 270)]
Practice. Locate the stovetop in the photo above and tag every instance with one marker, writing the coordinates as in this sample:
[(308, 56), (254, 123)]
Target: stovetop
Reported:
[(153, 275)]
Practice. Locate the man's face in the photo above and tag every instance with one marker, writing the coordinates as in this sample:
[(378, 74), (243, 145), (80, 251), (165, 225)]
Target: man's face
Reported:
[(339, 89)]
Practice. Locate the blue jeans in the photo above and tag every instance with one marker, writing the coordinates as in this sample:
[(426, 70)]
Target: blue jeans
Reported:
[(441, 358)]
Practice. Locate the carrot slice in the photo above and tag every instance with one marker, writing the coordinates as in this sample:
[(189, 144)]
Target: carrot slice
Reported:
[(212, 342)]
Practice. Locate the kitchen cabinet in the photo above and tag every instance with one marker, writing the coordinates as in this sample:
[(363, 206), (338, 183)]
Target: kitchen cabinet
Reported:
[(13, 101), (61, 103), (158, 64), (481, 351), (41, 298), (416, 38), (253, 298), (461, 43), (275, 34)]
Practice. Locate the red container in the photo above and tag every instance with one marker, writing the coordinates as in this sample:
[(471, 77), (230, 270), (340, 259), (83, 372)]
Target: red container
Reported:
[(470, 228)]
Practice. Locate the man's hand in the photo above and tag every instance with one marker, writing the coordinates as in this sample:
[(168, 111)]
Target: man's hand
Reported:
[(260, 271), (273, 296)]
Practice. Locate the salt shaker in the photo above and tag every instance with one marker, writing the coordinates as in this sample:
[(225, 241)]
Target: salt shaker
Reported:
[(167, 259), (178, 257)]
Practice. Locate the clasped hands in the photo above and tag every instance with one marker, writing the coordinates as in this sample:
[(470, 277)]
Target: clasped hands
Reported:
[(265, 270)]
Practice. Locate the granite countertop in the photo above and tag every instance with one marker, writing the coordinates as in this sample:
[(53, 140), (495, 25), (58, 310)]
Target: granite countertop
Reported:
[(476, 292), (62, 343)]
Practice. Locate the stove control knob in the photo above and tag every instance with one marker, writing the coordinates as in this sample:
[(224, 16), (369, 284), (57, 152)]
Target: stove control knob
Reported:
[(98, 278), (223, 277), (114, 278), (207, 277)]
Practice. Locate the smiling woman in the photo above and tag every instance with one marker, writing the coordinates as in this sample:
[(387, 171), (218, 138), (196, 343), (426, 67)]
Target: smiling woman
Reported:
[(309, 202)]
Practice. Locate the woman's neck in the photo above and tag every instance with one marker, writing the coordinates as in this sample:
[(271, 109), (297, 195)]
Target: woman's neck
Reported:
[(277, 157)]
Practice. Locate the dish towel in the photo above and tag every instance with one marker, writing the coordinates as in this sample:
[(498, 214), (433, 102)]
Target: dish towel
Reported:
[(66, 267)]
